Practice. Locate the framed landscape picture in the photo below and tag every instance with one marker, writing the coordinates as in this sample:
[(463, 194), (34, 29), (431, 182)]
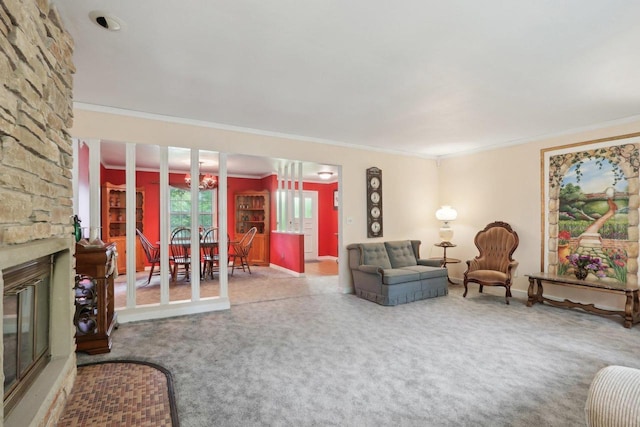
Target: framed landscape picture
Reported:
[(590, 197)]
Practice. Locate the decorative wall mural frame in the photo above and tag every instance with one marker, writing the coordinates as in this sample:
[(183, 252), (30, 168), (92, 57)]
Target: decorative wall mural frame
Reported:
[(590, 207)]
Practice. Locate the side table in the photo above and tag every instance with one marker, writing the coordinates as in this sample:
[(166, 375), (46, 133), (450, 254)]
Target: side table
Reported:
[(446, 260), (95, 318)]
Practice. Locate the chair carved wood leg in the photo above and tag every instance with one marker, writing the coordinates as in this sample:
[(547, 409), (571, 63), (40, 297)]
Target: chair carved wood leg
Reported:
[(465, 289), (481, 287), (151, 273)]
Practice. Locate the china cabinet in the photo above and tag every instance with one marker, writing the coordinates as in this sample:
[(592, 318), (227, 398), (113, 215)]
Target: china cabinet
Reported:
[(114, 230), (252, 209)]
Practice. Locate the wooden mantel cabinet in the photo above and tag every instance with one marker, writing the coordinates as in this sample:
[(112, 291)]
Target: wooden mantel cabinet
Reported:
[(114, 206), (94, 317), (252, 210)]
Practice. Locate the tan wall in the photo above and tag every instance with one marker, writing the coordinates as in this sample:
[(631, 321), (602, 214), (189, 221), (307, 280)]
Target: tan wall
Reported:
[(504, 184), (410, 191), (35, 179), (500, 184)]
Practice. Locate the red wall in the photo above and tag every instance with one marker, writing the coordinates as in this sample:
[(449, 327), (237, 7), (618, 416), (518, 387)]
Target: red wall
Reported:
[(83, 186), (287, 250), (149, 181), (327, 218)]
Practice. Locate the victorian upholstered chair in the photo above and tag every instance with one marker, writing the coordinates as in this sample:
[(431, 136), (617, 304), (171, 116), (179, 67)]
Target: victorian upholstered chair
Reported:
[(495, 265)]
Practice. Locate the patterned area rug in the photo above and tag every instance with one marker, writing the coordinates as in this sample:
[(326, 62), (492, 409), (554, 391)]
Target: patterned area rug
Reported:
[(117, 393)]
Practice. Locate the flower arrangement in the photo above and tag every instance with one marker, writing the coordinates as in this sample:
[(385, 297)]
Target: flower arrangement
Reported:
[(563, 237), (587, 262)]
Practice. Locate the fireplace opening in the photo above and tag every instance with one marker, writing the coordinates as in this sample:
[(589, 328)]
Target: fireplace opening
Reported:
[(26, 317)]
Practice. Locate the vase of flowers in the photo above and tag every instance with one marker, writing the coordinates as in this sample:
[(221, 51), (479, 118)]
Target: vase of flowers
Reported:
[(585, 264), (581, 273)]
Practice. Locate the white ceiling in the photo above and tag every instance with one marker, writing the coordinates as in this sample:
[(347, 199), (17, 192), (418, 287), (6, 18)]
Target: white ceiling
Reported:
[(418, 76), (113, 154)]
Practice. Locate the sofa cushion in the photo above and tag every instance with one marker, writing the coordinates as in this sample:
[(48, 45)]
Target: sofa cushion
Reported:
[(393, 276), (401, 253), (375, 254), (427, 272)]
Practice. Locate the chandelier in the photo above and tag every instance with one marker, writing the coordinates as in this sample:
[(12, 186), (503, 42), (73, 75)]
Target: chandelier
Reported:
[(205, 181)]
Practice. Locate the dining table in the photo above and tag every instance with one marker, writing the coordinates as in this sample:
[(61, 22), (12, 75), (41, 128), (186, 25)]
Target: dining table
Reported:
[(209, 247)]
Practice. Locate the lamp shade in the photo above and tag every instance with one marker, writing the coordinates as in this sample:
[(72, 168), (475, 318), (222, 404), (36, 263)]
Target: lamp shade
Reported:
[(446, 213)]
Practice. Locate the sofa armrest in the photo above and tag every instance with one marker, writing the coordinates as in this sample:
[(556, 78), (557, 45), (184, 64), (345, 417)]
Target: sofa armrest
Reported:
[(614, 397), (430, 262), (371, 269)]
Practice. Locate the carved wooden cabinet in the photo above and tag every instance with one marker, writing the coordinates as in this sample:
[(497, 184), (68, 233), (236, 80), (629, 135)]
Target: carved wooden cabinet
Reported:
[(252, 210), (94, 317), (114, 206)]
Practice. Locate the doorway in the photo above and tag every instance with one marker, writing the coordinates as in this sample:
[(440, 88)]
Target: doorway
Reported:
[(309, 223)]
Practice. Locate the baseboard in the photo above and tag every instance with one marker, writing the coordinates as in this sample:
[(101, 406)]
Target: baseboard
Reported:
[(524, 294), (286, 270), (327, 258)]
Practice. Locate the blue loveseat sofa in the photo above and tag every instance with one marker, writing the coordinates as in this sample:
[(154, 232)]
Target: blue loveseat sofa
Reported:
[(391, 273)]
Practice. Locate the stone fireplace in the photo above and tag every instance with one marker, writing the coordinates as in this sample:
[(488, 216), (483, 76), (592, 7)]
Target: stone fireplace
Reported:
[(36, 159), (25, 325), (45, 396)]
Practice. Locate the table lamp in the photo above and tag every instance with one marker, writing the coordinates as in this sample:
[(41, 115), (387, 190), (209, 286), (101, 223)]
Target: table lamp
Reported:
[(445, 214)]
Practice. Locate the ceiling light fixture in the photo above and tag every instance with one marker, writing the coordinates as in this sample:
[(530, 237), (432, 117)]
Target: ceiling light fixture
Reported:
[(325, 174), (205, 181), (106, 20)]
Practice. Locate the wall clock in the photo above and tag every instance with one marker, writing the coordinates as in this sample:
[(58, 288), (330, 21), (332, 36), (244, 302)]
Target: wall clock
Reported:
[(374, 202)]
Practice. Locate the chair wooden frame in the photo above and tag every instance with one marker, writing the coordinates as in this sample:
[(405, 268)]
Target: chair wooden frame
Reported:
[(150, 251), (211, 252), (495, 264), (180, 245), (241, 250)]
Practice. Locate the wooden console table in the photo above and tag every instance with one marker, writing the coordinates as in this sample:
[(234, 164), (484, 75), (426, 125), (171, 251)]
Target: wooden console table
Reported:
[(630, 314)]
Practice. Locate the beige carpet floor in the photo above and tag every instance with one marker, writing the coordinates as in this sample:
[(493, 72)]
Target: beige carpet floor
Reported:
[(263, 284), (337, 360), (128, 394)]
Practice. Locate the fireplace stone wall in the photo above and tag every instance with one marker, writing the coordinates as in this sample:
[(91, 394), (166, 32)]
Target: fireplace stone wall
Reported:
[(36, 180)]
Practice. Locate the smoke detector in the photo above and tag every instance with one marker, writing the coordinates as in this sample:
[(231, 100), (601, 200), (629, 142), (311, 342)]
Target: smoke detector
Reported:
[(106, 20)]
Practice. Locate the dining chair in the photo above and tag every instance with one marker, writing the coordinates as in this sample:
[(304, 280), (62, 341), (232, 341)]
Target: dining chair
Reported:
[(209, 251), (241, 250), (150, 251), (180, 251)]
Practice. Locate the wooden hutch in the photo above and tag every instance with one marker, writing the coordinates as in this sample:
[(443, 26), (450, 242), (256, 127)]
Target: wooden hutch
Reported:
[(114, 230), (252, 210)]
